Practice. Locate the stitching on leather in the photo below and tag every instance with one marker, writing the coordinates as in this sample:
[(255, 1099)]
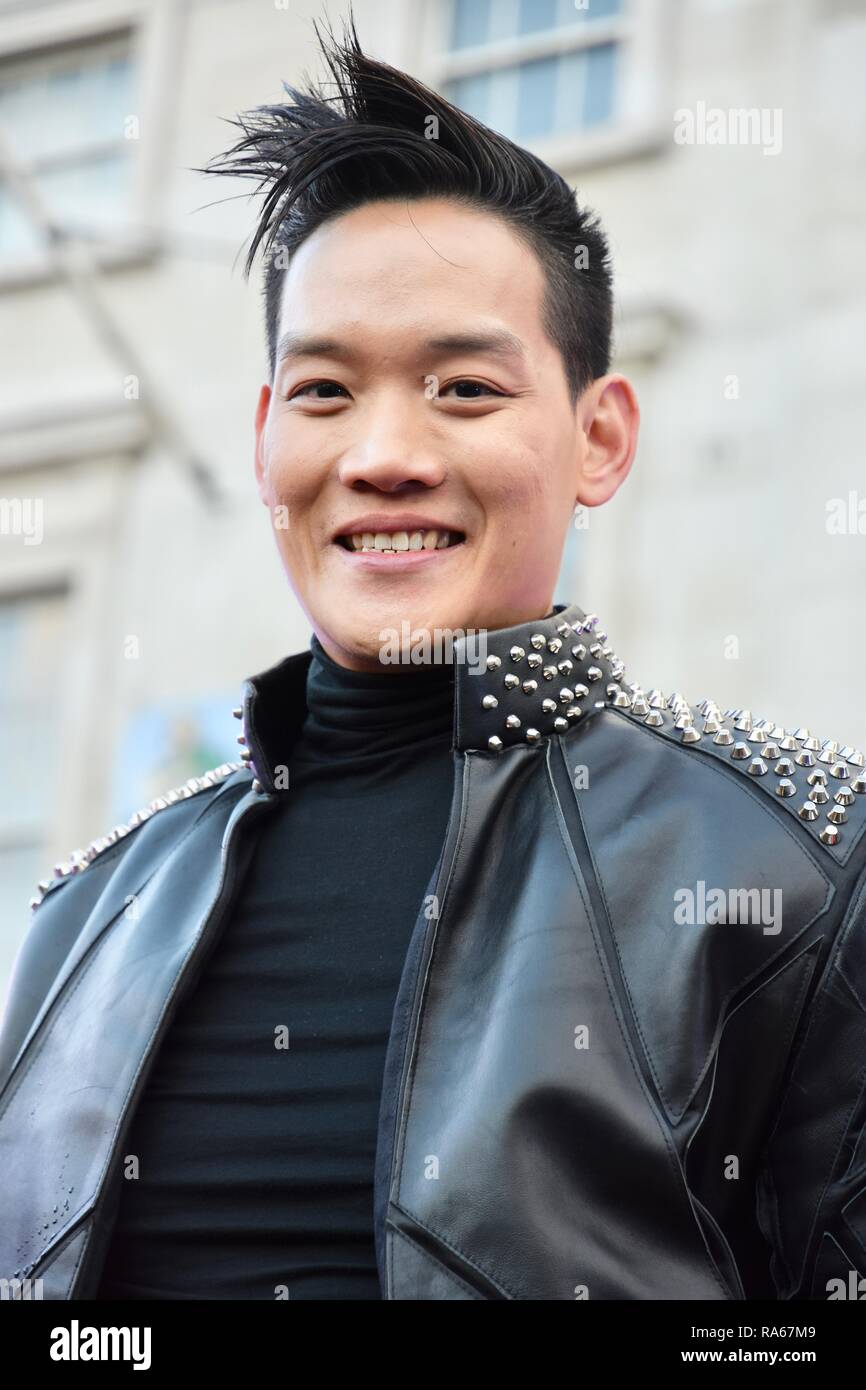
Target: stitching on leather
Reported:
[(431, 1230), (452, 873), (712, 758), (669, 1149), (715, 764), (437, 1264), (71, 1283), (719, 771)]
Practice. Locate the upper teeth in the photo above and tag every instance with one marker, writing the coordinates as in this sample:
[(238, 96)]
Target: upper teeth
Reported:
[(391, 541)]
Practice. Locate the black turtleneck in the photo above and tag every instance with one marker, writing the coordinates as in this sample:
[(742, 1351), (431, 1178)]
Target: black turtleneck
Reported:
[(256, 1162)]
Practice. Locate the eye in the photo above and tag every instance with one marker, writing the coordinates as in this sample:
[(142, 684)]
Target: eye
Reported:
[(311, 385), (475, 385)]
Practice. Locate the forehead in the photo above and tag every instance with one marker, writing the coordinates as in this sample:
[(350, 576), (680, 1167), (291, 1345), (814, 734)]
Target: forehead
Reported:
[(407, 265)]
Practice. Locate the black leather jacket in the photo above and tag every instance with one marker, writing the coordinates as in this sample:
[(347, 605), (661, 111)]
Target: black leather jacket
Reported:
[(628, 1051)]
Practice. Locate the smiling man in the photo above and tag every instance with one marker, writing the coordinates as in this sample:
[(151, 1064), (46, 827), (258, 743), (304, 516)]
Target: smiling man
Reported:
[(420, 434), (424, 997)]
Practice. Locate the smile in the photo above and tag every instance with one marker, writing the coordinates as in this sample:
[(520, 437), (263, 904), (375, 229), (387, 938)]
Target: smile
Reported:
[(399, 542)]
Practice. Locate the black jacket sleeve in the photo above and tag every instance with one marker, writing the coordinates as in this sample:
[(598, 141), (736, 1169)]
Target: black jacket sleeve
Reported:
[(812, 1189)]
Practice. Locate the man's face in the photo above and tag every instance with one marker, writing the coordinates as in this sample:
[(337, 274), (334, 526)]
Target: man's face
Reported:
[(389, 426)]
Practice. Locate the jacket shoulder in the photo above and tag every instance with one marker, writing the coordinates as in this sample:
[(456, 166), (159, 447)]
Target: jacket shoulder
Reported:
[(819, 782), (80, 860)]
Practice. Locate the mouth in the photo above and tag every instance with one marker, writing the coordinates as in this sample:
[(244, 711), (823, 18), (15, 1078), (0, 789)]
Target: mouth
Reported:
[(417, 544)]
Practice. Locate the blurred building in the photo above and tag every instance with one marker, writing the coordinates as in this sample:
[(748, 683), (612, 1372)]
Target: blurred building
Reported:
[(139, 582)]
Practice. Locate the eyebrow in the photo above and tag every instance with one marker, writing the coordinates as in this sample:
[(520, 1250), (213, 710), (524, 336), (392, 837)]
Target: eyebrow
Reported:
[(498, 342)]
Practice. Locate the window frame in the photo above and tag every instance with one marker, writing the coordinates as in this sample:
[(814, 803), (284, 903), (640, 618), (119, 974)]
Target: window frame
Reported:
[(153, 33), (640, 123)]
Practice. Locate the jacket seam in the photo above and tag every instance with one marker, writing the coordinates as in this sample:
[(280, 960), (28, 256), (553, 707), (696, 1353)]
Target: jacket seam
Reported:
[(674, 1163), (828, 897), (398, 1231)]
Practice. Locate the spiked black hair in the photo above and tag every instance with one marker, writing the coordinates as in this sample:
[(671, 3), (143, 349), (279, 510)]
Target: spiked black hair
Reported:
[(319, 156)]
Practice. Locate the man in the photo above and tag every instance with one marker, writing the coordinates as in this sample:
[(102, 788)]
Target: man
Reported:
[(497, 977)]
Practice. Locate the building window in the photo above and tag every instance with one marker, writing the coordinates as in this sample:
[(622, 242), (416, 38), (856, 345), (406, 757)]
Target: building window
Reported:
[(64, 113), (566, 75)]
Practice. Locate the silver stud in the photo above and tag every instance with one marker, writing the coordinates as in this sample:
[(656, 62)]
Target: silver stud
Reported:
[(819, 775), (238, 712), (829, 835), (690, 734), (808, 811), (555, 645), (495, 744), (789, 744), (654, 718), (594, 674), (578, 651), (560, 725), (565, 667), (786, 788), (805, 759), (550, 673), (566, 695), (493, 663), (256, 785), (549, 706), (512, 722), (741, 750), (532, 736), (859, 783), (819, 794), (837, 815), (757, 767), (530, 687), (711, 725), (533, 661), (784, 767), (580, 691), (723, 738), (511, 681), (516, 653), (856, 759), (770, 751), (839, 770), (537, 640), (621, 701), (844, 796), (489, 702)]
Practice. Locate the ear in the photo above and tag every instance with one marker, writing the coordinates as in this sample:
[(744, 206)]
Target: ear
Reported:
[(260, 422), (610, 420)]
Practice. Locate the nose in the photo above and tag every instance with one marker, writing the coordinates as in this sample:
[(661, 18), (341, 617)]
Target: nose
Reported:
[(393, 450)]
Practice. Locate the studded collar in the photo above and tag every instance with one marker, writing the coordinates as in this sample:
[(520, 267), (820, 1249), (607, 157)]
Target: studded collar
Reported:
[(512, 685)]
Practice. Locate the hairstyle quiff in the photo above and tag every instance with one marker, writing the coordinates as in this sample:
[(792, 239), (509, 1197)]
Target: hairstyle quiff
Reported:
[(317, 156)]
